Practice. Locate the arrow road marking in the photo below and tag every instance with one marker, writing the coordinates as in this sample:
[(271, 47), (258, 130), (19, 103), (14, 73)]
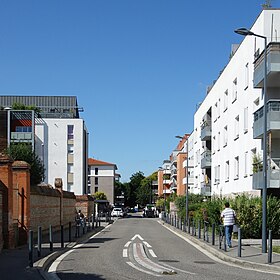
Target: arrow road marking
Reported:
[(137, 235), (147, 244)]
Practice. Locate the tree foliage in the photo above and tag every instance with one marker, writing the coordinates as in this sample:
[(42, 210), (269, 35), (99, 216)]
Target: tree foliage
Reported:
[(23, 151), (100, 196)]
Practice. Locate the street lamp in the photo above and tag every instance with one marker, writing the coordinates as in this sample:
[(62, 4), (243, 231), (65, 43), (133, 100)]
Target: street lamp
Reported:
[(187, 177), (246, 32), (164, 190)]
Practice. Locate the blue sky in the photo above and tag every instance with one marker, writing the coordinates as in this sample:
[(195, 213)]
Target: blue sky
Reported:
[(138, 67)]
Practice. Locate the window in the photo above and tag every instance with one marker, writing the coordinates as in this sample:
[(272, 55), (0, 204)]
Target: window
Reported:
[(236, 168), (225, 100), (227, 171), (96, 180), (234, 90), (70, 168), (217, 174), (218, 108), (218, 141), (23, 128), (246, 76), (96, 171), (225, 135), (96, 189), (216, 111), (214, 144), (70, 132), (69, 187), (245, 119), (236, 128), (246, 164), (70, 149)]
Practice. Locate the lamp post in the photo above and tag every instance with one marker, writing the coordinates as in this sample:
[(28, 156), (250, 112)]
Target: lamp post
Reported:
[(164, 191), (187, 177), (246, 32)]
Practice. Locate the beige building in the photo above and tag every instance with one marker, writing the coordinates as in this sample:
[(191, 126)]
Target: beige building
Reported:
[(101, 178)]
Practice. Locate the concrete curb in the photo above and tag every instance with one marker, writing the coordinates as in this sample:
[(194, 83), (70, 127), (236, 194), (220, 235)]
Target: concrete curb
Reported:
[(222, 256), (43, 264)]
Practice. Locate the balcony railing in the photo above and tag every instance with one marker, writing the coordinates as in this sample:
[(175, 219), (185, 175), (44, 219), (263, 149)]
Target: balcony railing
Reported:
[(205, 190), (273, 119), (206, 131), (21, 136), (206, 159)]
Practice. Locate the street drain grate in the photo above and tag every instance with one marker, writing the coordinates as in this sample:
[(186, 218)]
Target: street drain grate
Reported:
[(204, 262)]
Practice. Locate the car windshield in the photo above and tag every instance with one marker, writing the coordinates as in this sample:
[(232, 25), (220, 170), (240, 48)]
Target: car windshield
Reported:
[(117, 209)]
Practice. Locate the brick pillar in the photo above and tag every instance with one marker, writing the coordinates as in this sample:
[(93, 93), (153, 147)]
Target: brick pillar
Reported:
[(7, 179), (21, 185), (58, 185)]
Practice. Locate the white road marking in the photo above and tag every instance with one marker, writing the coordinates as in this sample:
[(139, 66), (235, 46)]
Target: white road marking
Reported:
[(147, 244), (137, 235), (127, 244), (124, 253), (152, 253), (142, 270), (53, 268)]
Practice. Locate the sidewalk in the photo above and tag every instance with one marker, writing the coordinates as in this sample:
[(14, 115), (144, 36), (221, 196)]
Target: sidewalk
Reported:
[(251, 252), (14, 263)]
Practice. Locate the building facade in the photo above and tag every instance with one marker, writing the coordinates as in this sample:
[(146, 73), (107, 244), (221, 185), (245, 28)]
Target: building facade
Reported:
[(57, 133), (228, 125), (101, 178)]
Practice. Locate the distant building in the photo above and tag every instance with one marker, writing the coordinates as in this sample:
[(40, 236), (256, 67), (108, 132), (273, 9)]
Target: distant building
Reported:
[(58, 135), (101, 178)]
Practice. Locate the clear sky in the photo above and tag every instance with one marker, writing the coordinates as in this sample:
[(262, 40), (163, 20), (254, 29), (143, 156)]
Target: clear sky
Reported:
[(138, 67)]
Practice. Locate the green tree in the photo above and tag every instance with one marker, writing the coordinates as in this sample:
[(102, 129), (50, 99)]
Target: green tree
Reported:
[(23, 151), (132, 187), (100, 196), (20, 106)]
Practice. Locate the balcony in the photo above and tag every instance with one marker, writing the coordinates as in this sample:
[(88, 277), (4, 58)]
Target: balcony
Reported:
[(273, 119), (21, 136), (273, 67), (206, 159), (206, 131), (205, 190)]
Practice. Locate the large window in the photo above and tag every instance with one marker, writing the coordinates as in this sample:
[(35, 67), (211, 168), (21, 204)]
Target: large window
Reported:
[(23, 128), (227, 171), (246, 76), (234, 90), (236, 127), (236, 167), (245, 119), (225, 135), (70, 132), (246, 164), (225, 100)]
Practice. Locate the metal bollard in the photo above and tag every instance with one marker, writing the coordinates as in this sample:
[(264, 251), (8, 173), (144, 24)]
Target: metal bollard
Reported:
[(189, 226), (270, 246), (30, 248), (62, 236), (51, 238), (92, 221), (83, 225), (70, 232), (239, 242), (213, 234), (199, 229), (39, 239)]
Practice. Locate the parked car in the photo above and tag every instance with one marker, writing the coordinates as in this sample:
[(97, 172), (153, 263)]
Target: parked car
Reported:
[(117, 212)]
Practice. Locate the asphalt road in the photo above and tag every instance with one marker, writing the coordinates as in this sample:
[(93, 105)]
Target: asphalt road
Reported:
[(140, 248)]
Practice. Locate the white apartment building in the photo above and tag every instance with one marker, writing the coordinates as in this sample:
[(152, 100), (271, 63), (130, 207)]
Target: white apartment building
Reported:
[(60, 138), (228, 124)]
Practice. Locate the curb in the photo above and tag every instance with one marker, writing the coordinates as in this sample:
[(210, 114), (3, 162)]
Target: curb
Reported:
[(222, 256), (43, 264)]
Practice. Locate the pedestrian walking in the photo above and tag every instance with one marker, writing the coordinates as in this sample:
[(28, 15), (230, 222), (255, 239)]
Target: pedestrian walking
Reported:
[(228, 215)]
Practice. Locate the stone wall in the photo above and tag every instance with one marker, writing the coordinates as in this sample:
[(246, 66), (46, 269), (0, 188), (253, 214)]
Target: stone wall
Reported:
[(48, 206)]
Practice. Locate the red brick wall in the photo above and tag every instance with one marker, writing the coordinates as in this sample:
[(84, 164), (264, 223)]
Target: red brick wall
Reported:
[(85, 203)]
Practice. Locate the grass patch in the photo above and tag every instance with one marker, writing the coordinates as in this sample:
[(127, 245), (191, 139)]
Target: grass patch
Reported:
[(276, 249)]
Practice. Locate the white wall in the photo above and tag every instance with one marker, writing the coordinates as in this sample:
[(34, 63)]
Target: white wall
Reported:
[(246, 97), (53, 135)]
